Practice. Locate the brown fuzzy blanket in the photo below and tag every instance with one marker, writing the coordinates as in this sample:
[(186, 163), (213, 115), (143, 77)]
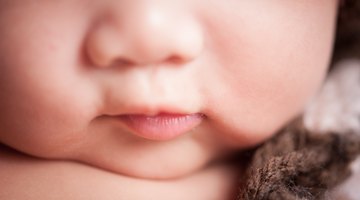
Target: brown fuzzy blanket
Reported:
[(299, 165)]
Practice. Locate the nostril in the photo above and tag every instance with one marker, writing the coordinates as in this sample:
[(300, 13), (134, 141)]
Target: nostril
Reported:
[(122, 62), (175, 60)]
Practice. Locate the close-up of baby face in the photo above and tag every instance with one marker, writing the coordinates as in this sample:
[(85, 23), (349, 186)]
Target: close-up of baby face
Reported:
[(156, 88)]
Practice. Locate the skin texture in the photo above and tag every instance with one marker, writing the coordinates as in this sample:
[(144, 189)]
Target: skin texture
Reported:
[(67, 68), (29, 178)]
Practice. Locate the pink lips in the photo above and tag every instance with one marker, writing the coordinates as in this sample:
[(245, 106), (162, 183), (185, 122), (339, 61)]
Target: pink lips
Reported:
[(162, 126)]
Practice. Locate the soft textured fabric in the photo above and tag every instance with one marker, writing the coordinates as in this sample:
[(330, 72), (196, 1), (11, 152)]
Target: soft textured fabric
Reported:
[(337, 109)]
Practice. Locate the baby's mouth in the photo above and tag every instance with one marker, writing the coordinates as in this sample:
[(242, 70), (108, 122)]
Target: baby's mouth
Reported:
[(163, 126)]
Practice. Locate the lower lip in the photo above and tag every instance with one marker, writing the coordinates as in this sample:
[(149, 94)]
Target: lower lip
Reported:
[(161, 126)]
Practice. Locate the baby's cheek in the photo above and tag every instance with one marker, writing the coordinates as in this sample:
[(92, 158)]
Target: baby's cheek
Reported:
[(254, 105), (45, 123)]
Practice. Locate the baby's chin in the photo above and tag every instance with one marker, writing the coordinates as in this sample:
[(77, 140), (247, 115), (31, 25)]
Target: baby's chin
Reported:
[(155, 174), (146, 159), (169, 162), (164, 168)]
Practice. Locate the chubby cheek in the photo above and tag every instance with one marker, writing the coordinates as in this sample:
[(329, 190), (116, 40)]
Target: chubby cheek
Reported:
[(40, 118), (257, 103), (45, 101), (259, 87)]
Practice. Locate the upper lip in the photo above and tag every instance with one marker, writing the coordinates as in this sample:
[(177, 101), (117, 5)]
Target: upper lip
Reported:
[(149, 110)]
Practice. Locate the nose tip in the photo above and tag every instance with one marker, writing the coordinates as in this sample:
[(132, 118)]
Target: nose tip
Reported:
[(150, 35)]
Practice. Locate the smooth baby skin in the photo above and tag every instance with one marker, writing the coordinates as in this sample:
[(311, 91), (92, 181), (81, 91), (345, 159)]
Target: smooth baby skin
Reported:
[(24, 177)]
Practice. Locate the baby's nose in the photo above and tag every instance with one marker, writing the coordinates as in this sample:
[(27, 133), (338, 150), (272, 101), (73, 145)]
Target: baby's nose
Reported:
[(144, 33)]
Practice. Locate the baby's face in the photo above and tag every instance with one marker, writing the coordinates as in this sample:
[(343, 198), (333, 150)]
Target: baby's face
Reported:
[(156, 88)]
